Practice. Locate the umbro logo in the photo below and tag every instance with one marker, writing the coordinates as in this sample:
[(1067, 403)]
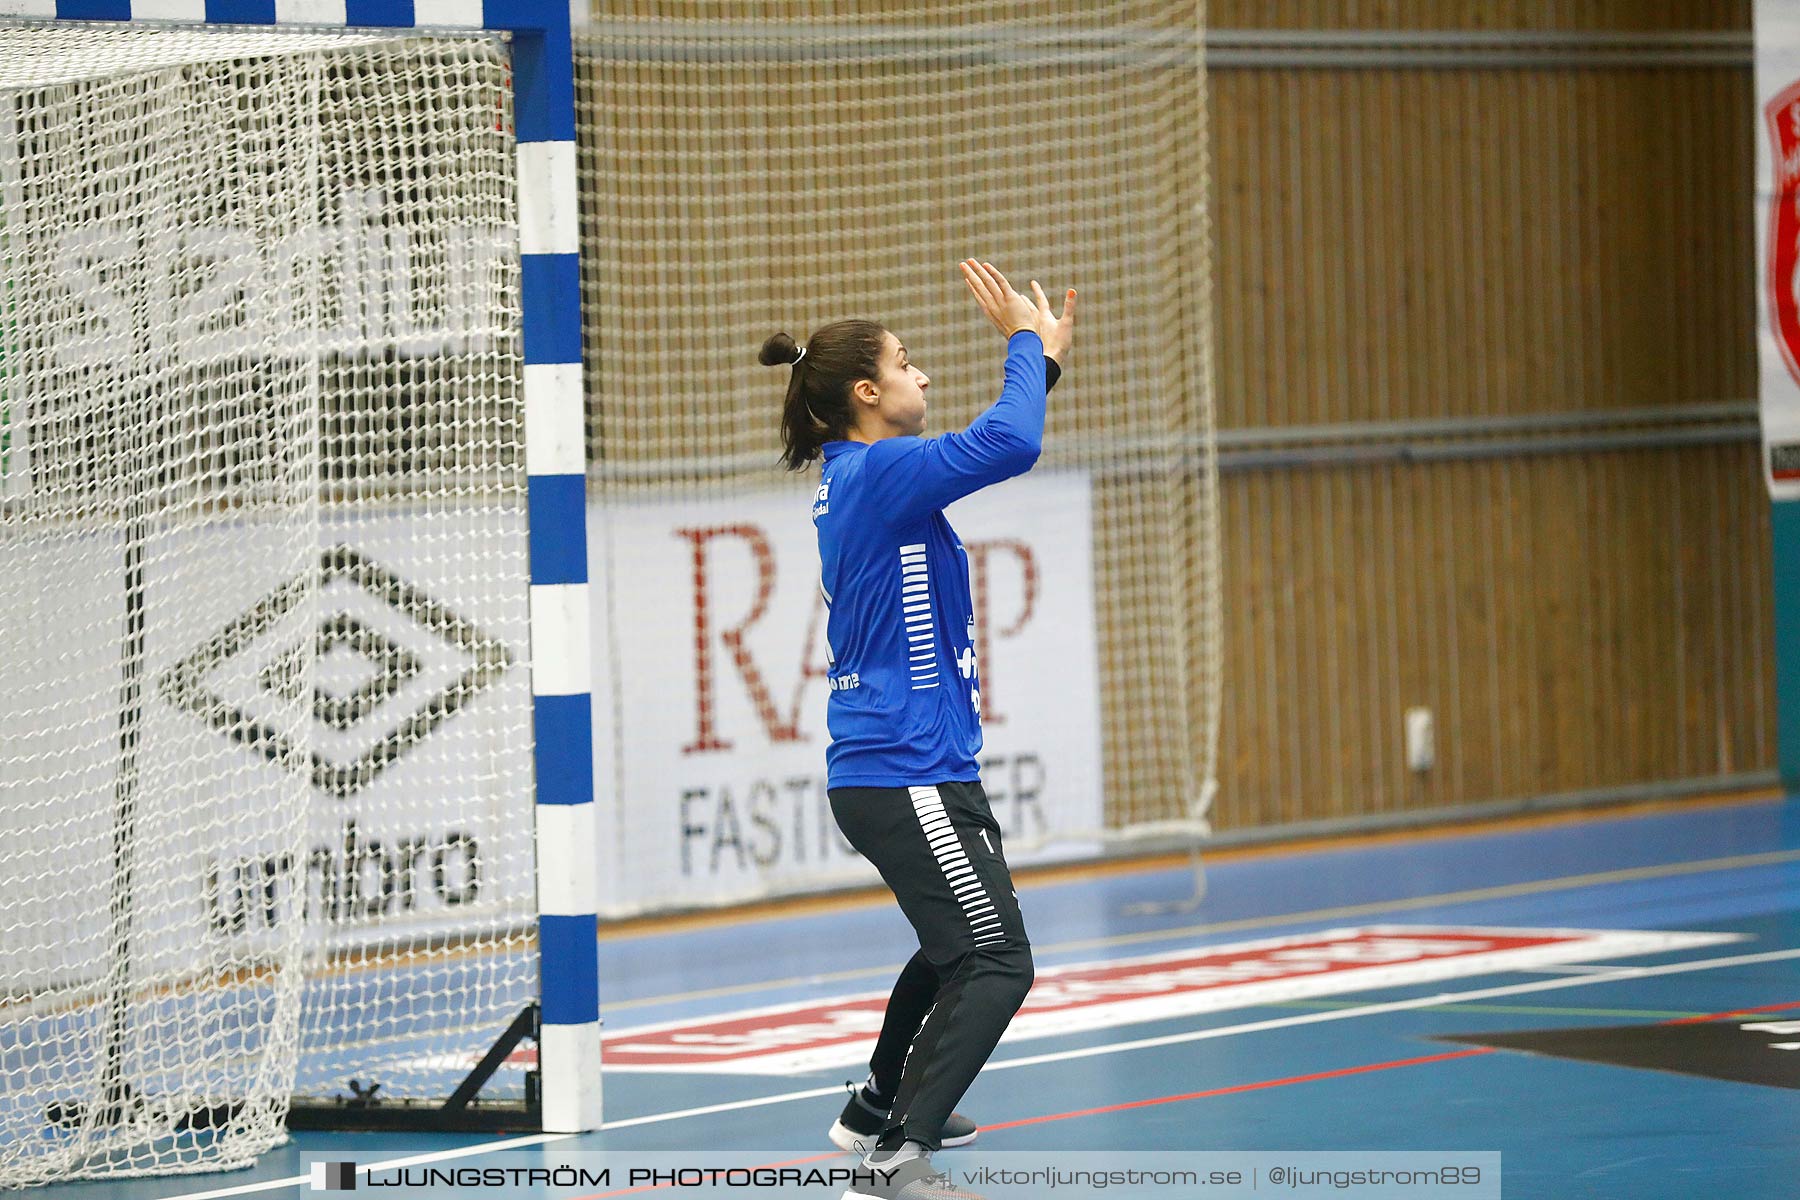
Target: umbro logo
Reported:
[(379, 642)]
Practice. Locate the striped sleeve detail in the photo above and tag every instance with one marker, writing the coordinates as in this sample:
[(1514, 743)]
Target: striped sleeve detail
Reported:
[(915, 612)]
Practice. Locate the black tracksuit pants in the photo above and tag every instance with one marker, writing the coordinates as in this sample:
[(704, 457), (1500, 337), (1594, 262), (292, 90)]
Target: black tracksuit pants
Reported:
[(938, 848)]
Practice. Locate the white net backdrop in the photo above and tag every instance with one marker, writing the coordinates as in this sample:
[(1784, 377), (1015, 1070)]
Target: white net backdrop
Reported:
[(265, 810), (754, 167)]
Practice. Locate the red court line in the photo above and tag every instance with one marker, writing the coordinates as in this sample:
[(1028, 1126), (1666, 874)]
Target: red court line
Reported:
[(1089, 1112), (1248, 1087), (1261, 1085), (1343, 1072), (1736, 1012)]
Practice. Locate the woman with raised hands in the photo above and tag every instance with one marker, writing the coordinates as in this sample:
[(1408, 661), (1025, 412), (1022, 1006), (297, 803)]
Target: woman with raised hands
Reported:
[(904, 712)]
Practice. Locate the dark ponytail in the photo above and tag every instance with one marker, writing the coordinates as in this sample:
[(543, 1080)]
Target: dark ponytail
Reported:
[(818, 407)]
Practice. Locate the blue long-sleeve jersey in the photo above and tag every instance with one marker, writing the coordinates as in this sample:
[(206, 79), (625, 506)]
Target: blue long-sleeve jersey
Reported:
[(905, 706)]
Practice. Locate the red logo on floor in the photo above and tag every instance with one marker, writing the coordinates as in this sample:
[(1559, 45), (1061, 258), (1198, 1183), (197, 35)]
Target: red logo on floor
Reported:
[(1067, 999)]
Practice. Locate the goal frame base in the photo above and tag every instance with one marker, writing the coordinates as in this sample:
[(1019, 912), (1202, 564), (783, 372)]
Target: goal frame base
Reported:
[(463, 1112)]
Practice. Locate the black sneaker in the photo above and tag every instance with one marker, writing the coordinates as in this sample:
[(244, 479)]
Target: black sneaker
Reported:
[(913, 1179), (863, 1117)]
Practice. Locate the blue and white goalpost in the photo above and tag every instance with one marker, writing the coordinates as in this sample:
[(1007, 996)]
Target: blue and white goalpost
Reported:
[(294, 656)]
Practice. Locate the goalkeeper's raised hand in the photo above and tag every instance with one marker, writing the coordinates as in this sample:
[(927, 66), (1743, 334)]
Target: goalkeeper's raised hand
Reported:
[(1058, 332), (1009, 311)]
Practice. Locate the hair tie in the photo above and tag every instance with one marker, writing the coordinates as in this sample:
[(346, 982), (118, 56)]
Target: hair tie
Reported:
[(799, 356)]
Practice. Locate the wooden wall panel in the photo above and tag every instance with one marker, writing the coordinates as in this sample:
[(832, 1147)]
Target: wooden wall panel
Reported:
[(1573, 621), (1406, 244)]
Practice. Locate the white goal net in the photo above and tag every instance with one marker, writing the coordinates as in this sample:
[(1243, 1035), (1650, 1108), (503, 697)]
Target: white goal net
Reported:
[(751, 167), (265, 804)]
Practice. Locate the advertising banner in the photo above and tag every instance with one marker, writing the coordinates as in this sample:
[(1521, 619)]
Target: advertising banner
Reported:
[(375, 671), (404, 744), (710, 688), (1778, 240)]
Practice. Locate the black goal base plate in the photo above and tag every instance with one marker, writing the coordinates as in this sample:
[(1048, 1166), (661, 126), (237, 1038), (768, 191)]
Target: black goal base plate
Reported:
[(463, 1112), (395, 1115)]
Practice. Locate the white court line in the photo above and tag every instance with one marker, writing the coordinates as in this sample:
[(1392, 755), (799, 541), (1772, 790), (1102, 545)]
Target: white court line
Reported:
[(1574, 969), (1373, 1010), (1368, 1010), (1506, 891)]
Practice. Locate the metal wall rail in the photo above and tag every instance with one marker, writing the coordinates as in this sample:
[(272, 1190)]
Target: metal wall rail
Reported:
[(1461, 439), (1663, 427), (727, 41), (1467, 451), (1472, 48)]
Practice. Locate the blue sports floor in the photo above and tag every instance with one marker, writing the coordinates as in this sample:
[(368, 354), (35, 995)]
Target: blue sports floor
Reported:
[(1321, 1060)]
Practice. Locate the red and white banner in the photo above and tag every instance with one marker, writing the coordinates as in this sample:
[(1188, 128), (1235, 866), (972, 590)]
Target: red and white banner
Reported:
[(795, 1038), (710, 688), (1778, 239)]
